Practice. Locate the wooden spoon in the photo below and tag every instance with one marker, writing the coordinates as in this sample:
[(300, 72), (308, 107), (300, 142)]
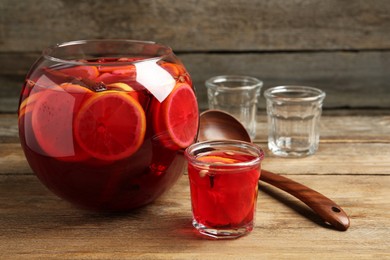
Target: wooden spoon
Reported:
[(215, 124)]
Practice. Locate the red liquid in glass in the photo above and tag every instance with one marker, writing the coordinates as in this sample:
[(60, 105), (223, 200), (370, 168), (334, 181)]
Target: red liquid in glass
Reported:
[(104, 180), (224, 200)]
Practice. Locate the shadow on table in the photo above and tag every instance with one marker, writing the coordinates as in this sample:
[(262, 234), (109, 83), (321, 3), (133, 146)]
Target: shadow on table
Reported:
[(293, 203)]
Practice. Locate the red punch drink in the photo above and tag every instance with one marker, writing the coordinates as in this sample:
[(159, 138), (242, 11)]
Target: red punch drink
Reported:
[(107, 131), (224, 178)]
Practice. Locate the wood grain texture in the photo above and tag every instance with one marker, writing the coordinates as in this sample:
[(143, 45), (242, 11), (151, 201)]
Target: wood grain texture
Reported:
[(340, 46), (349, 79), (342, 126), (355, 80), (201, 25), (9, 128), (351, 168), (363, 159), (333, 159), (361, 141), (36, 225), (328, 210), (357, 127)]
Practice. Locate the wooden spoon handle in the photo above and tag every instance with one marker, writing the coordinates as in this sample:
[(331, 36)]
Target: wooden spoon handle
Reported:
[(327, 209)]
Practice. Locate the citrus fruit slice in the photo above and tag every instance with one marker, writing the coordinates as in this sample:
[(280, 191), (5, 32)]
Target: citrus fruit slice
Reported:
[(177, 71), (176, 118), (161, 137), (171, 68), (119, 86), (52, 121), (125, 69), (89, 72), (217, 159), (109, 78), (27, 104), (74, 88), (110, 126), (181, 115)]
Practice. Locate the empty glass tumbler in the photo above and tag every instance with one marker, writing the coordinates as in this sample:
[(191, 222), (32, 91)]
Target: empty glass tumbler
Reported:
[(293, 120), (236, 95)]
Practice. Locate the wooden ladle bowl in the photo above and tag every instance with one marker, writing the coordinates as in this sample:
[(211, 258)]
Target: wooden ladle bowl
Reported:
[(216, 124)]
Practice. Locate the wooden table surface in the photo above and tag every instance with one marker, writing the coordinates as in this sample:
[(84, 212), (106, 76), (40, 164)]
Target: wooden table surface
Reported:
[(352, 167)]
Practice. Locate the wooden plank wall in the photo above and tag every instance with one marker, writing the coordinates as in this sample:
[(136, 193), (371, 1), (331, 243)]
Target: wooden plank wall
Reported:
[(341, 46)]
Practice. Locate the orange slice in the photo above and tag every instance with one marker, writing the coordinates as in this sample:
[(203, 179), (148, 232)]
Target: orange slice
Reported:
[(109, 78), (125, 69), (90, 72), (176, 118), (217, 159), (52, 124), (120, 86), (75, 89), (110, 126), (177, 71), (171, 68), (28, 103), (181, 115)]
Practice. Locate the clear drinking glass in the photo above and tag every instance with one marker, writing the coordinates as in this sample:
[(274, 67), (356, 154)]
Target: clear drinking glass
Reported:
[(224, 179), (237, 95), (293, 120)]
